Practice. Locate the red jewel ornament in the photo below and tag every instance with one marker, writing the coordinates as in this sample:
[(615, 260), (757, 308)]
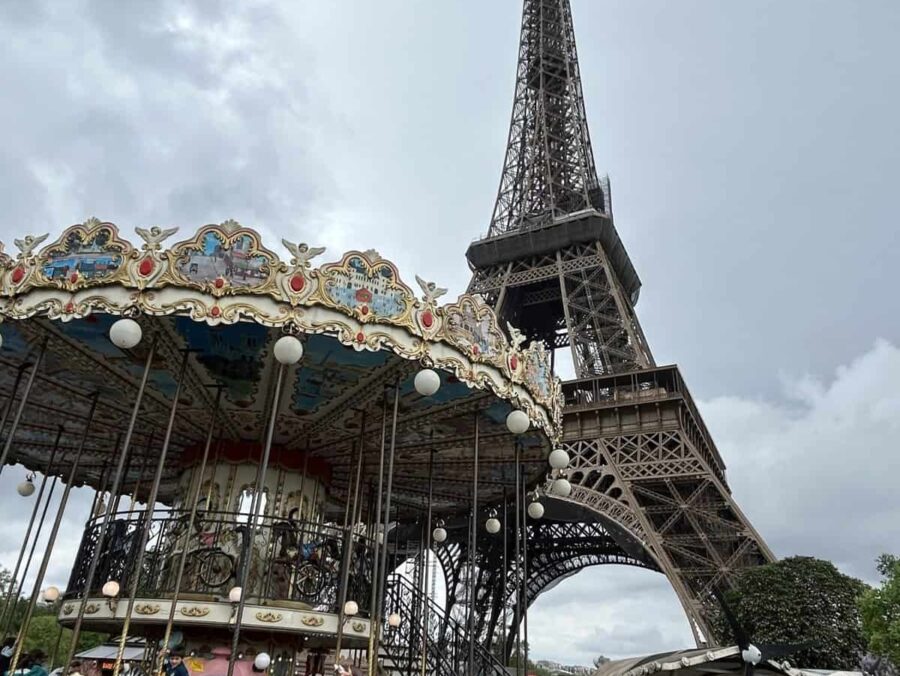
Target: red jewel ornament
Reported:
[(513, 362), (427, 319), (219, 283), (18, 275), (70, 307), (474, 349), (297, 283), (73, 277), (364, 309), (215, 311), (145, 269), (360, 337)]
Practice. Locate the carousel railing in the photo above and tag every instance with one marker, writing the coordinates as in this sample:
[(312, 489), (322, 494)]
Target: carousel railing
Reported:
[(446, 651), (289, 560)]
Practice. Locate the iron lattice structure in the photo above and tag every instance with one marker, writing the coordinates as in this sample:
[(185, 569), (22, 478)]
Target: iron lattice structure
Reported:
[(643, 464)]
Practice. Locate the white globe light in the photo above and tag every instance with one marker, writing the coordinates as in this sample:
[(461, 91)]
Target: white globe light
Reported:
[(535, 510), (517, 422), (262, 661), (561, 488), (111, 589), (351, 608), (234, 594), (492, 525), (125, 333), (427, 382), (25, 488), (394, 620), (559, 459), (439, 534), (51, 594), (288, 350)]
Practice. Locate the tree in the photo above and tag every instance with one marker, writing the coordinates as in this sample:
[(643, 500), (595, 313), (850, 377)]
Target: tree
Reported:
[(43, 632), (801, 600), (880, 610)]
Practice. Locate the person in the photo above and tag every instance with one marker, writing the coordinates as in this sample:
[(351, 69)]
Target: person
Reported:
[(33, 664), (176, 665), (6, 653), (74, 668)]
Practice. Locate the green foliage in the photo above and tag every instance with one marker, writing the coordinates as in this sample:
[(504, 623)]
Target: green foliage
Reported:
[(44, 631), (880, 610), (801, 600)]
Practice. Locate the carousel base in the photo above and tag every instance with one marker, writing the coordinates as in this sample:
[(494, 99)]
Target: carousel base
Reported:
[(149, 615)]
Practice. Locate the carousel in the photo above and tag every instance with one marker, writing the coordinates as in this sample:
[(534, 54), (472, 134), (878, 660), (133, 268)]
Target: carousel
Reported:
[(261, 437)]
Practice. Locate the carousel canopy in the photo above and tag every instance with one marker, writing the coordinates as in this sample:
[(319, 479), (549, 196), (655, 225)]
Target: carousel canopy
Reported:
[(222, 299)]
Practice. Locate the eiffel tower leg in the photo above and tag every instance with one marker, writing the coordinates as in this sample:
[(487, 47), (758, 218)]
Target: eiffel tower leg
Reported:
[(642, 459)]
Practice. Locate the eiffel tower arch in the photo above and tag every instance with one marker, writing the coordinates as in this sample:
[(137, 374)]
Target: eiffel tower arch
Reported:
[(644, 468)]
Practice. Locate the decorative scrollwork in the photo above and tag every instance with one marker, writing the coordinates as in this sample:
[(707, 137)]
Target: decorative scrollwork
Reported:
[(312, 620), (91, 608), (146, 608), (269, 616), (194, 611)]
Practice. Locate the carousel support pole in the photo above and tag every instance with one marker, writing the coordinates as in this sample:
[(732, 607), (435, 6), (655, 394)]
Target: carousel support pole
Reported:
[(525, 561), (347, 550), (194, 501), (18, 417), (136, 568), (374, 615), (474, 544), (517, 614), (107, 515), (144, 463), (51, 541), (14, 591), (382, 572), (12, 394), (505, 631), (426, 553), (252, 524)]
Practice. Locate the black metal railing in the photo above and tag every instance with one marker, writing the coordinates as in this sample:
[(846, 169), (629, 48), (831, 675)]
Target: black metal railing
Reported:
[(446, 650), (289, 560)]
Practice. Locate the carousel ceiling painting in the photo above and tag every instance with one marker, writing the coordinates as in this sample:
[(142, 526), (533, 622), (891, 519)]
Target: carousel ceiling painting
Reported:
[(215, 304)]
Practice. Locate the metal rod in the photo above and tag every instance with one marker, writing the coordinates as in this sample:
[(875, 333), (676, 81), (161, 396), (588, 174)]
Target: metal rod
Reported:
[(15, 592), (15, 424), (137, 483), (427, 555), (474, 545), (347, 553), (12, 394), (51, 540), (107, 516), (525, 561), (517, 615), (148, 521), (374, 614), (194, 501), (505, 632), (387, 500), (252, 521)]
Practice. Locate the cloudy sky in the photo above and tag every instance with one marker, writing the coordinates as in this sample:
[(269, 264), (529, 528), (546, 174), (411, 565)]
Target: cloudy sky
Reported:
[(752, 149)]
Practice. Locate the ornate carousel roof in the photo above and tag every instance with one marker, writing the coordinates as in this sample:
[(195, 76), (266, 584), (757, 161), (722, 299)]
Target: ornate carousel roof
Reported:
[(224, 297)]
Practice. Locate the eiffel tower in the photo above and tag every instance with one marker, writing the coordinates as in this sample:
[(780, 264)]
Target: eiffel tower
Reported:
[(649, 486)]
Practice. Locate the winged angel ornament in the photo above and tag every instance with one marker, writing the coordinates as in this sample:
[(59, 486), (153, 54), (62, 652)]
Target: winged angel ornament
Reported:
[(154, 237), (302, 253), (430, 291), (29, 243)]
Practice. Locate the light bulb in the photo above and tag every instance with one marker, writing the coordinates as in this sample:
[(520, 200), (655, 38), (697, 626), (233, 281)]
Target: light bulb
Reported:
[(439, 534), (288, 350), (51, 594), (535, 510), (234, 594), (110, 589), (558, 459), (394, 620), (517, 422), (125, 333), (351, 608), (561, 487), (427, 382), (262, 661), (492, 525)]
